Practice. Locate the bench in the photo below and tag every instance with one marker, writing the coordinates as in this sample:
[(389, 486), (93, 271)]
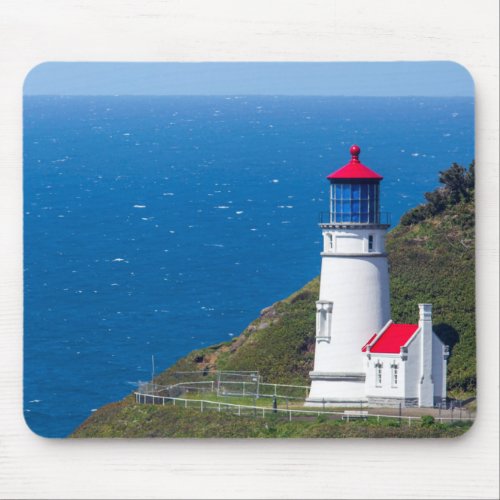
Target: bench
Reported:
[(354, 414)]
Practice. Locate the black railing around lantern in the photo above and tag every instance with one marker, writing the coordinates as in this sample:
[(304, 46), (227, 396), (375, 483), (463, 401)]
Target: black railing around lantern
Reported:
[(350, 218)]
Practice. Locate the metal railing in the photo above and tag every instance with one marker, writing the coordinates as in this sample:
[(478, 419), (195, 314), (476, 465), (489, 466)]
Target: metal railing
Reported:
[(237, 388), (262, 411), (350, 218)]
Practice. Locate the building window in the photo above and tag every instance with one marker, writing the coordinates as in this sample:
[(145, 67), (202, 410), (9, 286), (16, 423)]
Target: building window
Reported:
[(378, 375), (370, 243), (355, 202), (395, 375)]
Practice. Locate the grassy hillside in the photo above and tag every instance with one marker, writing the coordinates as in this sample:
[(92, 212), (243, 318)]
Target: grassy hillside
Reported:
[(431, 257), (139, 421)]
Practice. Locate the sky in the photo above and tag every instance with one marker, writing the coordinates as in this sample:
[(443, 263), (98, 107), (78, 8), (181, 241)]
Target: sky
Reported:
[(431, 78)]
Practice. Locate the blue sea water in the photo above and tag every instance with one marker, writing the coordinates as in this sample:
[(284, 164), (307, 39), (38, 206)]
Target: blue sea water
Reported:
[(158, 225)]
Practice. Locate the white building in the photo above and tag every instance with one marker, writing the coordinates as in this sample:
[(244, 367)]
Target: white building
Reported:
[(361, 356)]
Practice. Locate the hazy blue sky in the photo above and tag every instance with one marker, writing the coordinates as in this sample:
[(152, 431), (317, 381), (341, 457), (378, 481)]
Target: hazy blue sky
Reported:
[(350, 79)]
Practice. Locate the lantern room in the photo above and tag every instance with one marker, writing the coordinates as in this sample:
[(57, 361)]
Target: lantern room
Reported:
[(354, 193)]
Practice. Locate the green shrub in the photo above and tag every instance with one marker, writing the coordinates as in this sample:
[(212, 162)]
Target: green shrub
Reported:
[(427, 420)]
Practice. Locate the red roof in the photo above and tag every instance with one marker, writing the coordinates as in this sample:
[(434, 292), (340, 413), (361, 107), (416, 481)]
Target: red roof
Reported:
[(391, 341), (355, 169)]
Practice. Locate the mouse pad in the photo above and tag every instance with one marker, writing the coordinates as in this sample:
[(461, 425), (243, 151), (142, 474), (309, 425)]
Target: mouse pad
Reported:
[(261, 250)]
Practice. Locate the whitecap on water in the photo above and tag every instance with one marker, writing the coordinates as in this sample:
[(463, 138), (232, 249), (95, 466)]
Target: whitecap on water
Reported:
[(139, 206), (222, 206)]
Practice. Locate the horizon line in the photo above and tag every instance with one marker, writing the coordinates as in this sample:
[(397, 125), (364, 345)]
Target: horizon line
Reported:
[(443, 96)]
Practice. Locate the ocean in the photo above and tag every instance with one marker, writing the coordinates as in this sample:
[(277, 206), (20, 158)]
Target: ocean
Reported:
[(158, 225)]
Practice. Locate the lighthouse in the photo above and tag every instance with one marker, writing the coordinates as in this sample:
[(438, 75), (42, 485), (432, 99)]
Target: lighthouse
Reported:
[(354, 300)]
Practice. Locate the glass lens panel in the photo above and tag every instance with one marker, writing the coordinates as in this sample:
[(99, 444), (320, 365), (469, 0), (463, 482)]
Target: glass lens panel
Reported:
[(364, 210), (355, 191), (364, 191), (346, 206), (346, 191), (338, 191), (338, 206), (372, 210), (372, 191)]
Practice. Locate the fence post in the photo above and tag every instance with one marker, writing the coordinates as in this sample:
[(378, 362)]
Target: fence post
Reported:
[(185, 403), (239, 409), (290, 415), (409, 421), (275, 389), (263, 412), (201, 406), (219, 407)]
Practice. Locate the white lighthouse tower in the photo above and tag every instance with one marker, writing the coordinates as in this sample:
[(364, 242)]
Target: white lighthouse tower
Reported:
[(354, 300)]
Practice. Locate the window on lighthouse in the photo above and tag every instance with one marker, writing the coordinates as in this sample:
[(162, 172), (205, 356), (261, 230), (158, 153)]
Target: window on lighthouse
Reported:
[(355, 202), (370, 243)]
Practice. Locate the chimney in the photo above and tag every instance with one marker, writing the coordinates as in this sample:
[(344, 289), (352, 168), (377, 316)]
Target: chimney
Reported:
[(426, 387)]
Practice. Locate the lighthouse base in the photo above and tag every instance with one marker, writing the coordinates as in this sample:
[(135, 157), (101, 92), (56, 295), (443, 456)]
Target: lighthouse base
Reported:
[(336, 389)]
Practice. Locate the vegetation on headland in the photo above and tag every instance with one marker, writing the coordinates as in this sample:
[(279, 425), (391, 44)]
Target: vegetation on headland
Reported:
[(431, 256), (138, 421)]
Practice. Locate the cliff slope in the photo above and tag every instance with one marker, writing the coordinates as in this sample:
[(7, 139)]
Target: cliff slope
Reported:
[(431, 257)]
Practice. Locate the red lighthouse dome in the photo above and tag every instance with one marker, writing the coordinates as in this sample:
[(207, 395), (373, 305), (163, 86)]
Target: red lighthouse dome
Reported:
[(355, 169)]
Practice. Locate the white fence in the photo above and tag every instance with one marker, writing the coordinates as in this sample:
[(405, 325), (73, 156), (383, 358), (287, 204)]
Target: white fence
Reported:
[(229, 388), (261, 411)]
